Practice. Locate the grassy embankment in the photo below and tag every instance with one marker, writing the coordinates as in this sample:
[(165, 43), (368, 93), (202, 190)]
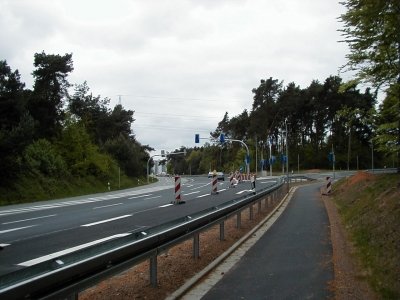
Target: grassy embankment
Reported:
[(370, 209), (31, 189)]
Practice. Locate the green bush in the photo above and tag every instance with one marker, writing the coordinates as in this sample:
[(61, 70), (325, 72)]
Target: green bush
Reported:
[(42, 157)]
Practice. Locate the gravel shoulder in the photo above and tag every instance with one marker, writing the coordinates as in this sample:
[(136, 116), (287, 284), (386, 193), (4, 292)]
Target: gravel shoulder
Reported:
[(348, 281)]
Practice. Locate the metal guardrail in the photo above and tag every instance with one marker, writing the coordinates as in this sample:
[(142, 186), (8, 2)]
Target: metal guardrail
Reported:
[(65, 276)]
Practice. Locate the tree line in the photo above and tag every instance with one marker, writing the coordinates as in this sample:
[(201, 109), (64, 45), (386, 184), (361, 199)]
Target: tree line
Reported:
[(47, 133), (332, 116)]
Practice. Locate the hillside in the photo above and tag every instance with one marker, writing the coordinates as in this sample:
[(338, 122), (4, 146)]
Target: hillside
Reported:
[(370, 210)]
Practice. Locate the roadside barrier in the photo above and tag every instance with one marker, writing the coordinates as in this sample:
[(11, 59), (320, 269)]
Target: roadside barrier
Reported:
[(232, 180), (328, 185), (214, 182), (253, 183), (178, 198)]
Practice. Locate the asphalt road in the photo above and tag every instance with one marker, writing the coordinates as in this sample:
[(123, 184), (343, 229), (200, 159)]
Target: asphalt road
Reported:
[(32, 233), (292, 260)]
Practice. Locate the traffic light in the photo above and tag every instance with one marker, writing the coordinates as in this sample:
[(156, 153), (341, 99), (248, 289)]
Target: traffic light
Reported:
[(162, 153), (197, 138)]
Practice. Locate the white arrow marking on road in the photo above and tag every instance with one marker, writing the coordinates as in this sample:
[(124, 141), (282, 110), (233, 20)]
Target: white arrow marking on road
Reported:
[(69, 250)]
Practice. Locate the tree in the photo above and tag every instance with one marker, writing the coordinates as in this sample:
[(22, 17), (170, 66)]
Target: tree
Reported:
[(16, 124), (49, 92), (372, 31), (388, 131)]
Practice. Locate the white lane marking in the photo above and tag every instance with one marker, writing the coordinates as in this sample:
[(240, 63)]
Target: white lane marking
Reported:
[(83, 201), (200, 186), (241, 192), (270, 181), (201, 196), (105, 221), (186, 194), (104, 206), (24, 220), (15, 229), (221, 190), (69, 250), (165, 205), (4, 245), (140, 196), (153, 197)]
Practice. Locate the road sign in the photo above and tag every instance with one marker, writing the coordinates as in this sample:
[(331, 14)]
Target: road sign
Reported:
[(222, 138)]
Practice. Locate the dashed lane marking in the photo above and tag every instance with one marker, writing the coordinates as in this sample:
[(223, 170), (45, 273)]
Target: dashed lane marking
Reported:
[(105, 221), (69, 250)]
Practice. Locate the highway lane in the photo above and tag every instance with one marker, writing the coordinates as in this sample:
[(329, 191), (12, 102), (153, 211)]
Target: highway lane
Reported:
[(32, 233)]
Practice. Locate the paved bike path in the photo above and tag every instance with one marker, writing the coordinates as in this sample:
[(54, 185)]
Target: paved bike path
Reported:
[(292, 260)]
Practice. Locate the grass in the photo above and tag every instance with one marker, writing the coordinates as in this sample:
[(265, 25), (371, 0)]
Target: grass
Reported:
[(38, 188), (370, 210)]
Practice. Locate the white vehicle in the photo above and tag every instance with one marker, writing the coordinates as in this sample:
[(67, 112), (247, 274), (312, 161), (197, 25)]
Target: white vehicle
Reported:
[(220, 175)]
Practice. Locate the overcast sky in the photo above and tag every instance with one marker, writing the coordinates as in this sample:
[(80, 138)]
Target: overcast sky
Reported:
[(179, 64)]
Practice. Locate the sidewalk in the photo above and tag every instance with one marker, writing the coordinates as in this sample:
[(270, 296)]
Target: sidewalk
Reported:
[(292, 260)]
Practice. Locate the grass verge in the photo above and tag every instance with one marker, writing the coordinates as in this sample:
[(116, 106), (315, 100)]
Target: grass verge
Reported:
[(37, 188), (370, 209)]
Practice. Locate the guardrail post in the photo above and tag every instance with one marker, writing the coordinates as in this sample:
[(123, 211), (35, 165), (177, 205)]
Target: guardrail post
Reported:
[(238, 219), (196, 246), (153, 270), (73, 296), (222, 231)]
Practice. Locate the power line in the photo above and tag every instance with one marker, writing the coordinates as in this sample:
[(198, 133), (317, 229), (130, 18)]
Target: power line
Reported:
[(176, 115), (183, 98)]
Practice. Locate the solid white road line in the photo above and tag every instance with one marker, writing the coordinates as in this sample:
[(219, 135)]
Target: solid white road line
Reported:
[(104, 206), (165, 205), (15, 229), (69, 250), (24, 220), (105, 221)]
